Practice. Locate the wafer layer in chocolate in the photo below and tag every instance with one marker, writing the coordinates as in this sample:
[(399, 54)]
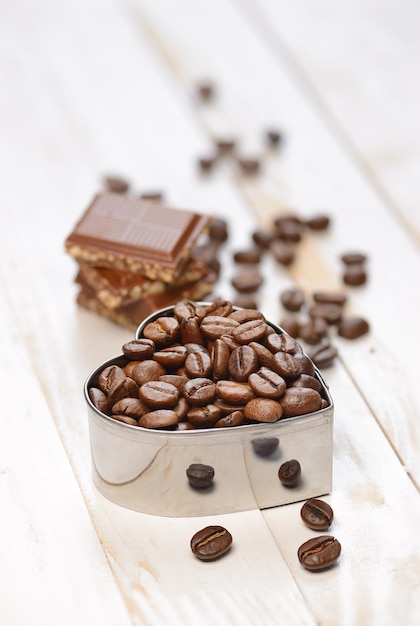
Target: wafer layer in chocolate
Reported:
[(139, 236), (114, 288), (132, 315)]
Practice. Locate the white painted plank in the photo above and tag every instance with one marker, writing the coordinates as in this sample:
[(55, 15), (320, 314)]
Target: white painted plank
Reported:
[(359, 62)]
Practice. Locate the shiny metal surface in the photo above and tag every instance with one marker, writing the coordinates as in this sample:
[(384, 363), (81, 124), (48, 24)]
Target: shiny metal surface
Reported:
[(145, 470)]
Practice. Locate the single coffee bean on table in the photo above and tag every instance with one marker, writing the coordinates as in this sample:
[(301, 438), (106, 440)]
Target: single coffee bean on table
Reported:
[(211, 542), (292, 299), (319, 553), (355, 275), (317, 514), (353, 327)]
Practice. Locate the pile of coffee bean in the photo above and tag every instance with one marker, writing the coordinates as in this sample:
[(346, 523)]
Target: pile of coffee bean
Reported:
[(315, 554), (208, 366)]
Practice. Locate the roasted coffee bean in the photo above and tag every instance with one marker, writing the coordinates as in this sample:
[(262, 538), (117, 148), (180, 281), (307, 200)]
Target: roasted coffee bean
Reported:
[(355, 275), (245, 301), (299, 401), (99, 399), (292, 299), (204, 416), (236, 418), (289, 473), (265, 356), (353, 258), (263, 238), (219, 307), (263, 410), (273, 138), (283, 251), (249, 165), (184, 310), (318, 222), (139, 349), (289, 228), (226, 408), (198, 365), (265, 446), (242, 362), (246, 315), (230, 342), (286, 365), (247, 282), (132, 407), (330, 297), (353, 327), (200, 476), (281, 343), (324, 355), (234, 392), (110, 376), (199, 391), (206, 163), (126, 419), (181, 408), (319, 552), (331, 313), (220, 358), (172, 357), (196, 347), (163, 331), (214, 326), (267, 384), (158, 394), (174, 379), (290, 326), (211, 542), (206, 91), (225, 145), (248, 255), (190, 331), (125, 388), (317, 514), (218, 229), (161, 418), (313, 330), (147, 370), (306, 364), (116, 184), (304, 380), (253, 330)]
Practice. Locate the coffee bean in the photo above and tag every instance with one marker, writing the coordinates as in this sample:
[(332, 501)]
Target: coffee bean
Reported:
[(331, 313), (204, 416), (234, 392), (329, 297), (198, 365), (144, 371), (211, 542), (245, 301), (214, 326), (199, 391), (299, 401), (173, 379), (263, 238), (249, 165), (139, 349), (218, 229), (206, 91), (281, 343), (126, 419), (324, 355), (290, 326), (286, 365), (353, 327), (185, 309), (248, 255), (264, 355), (319, 552), (242, 362), (283, 251), (313, 330), (131, 407), (181, 408), (355, 275), (116, 184), (247, 282), (289, 473), (263, 410), (158, 394), (265, 446), (219, 307), (253, 330), (292, 299), (317, 514), (353, 258), (307, 367), (318, 222), (190, 331), (163, 331), (289, 228), (267, 384), (110, 376), (161, 418), (236, 418), (200, 476), (220, 359), (125, 388), (273, 138), (225, 145), (206, 163), (99, 399), (226, 408), (172, 357), (304, 380)]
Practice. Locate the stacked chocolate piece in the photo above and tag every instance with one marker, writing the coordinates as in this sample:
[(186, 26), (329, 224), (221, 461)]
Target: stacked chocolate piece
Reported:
[(136, 256)]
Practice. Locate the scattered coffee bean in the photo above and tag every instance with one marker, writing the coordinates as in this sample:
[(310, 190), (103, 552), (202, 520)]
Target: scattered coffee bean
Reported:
[(218, 230), (263, 238), (225, 145), (318, 222), (319, 552), (289, 228), (289, 473), (355, 275), (292, 299), (353, 327), (249, 255), (317, 514), (206, 91), (249, 166), (290, 326), (247, 282), (211, 542), (206, 163), (200, 476), (323, 355), (329, 312), (313, 330), (329, 297), (283, 251), (353, 258)]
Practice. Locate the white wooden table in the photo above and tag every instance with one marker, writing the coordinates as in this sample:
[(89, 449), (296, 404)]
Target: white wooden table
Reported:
[(91, 87)]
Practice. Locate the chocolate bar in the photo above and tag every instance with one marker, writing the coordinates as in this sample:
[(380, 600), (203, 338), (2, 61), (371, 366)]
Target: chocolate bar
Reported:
[(143, 237)]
